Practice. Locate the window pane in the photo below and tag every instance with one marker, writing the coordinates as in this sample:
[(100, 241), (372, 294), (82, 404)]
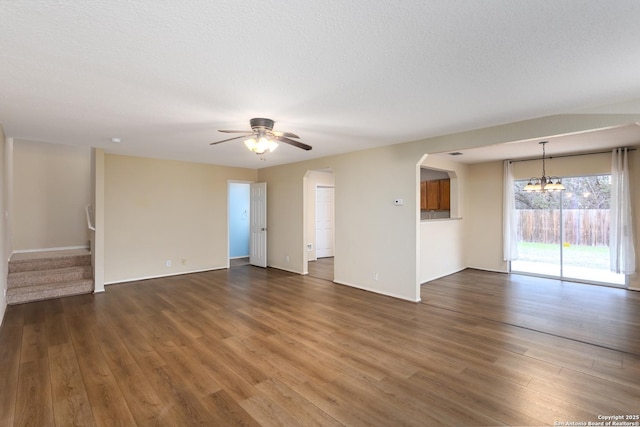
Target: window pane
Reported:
[(538, 217), (586, 214)]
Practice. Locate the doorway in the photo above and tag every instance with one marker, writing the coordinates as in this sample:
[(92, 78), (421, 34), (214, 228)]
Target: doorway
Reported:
[(566, 234), (320, 223), (239, 225), (324, 222)]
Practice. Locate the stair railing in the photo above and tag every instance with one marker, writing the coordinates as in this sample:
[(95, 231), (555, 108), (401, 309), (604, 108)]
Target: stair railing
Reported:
[(90, 220)]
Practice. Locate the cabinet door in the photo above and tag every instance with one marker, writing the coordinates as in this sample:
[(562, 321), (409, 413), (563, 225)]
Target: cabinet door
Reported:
[(423, 195), (445, 194), (433, 195)]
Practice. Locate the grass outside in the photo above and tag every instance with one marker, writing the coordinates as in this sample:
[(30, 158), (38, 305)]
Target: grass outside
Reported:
[(596, 257)]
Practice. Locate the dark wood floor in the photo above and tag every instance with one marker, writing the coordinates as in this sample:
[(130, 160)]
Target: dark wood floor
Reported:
[(252, 346), (238, 262), (322, 268), (603, 316)]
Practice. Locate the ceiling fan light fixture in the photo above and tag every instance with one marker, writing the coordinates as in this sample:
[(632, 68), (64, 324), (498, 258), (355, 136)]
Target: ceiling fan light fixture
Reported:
[(251, 143), (263, 138), (261, 145)]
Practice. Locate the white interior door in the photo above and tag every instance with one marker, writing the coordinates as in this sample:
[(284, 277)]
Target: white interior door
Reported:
[(258, 218), (324, 222)]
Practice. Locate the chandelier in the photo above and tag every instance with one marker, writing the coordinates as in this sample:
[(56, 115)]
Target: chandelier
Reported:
[(544, 183)]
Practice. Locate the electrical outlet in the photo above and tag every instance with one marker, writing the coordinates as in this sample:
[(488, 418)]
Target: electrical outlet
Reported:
[(375, 276), (309, 247), (168, 263), (287, 258)]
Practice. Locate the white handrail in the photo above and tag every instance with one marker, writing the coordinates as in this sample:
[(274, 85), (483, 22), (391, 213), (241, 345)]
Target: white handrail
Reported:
[(89, 211)]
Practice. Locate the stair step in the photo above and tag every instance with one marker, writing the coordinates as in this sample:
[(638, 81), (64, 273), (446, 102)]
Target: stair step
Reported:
[(48, 263), (23, 294), (41, 277)]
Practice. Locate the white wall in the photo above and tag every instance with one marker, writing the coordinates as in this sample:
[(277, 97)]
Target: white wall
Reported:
[(314, 179), (52, 186), (4, 227), (163, 210)]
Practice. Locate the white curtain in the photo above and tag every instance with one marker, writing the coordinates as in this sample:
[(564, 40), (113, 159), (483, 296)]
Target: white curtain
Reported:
[(621, 244), (509, 226)]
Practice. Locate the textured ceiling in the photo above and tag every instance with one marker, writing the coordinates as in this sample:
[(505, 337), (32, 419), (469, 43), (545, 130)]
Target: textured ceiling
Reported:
[(165, 75)]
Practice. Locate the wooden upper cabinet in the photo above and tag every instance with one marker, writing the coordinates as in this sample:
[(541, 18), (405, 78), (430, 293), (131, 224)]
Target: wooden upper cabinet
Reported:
[(445, 194), (435, 195)]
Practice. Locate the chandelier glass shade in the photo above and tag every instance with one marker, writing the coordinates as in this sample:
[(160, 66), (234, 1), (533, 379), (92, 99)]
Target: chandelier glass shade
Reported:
[(544, 183)]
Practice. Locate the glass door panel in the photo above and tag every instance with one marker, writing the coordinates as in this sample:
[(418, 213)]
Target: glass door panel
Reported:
[(585, 223), (566, 234), (539, 233)]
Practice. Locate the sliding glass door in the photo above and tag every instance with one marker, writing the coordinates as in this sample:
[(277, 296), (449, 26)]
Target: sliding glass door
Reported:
[(566, 234), (539, 232)]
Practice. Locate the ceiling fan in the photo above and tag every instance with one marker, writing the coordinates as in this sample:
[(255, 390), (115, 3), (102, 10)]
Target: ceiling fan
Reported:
[(262, 138)]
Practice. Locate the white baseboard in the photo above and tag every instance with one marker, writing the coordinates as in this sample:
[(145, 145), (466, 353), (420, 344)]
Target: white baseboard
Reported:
[(375, 291), (442, 275), (285, 269), (136, 279), (61, 248), (492, 270)]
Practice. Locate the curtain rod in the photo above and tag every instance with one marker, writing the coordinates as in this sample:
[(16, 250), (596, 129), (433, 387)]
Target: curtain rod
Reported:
[(567, 155)]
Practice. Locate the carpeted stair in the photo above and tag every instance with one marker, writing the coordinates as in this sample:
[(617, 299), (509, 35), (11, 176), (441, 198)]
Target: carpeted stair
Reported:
[(43, 275)]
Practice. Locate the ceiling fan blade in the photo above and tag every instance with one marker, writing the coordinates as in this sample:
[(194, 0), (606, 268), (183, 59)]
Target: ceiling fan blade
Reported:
[(286, 134), (294, 143), (234, 131), (230, 139)]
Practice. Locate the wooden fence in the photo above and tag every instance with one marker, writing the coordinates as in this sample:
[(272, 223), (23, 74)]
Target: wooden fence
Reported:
[(588, 227)]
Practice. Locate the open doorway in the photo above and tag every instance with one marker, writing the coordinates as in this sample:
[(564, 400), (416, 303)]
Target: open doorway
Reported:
[(320, 223), (239, 224)]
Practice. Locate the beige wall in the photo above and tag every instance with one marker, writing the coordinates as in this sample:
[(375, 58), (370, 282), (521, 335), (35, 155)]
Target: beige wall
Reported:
[(97, 237), (564, 166), (442, 242), (160, 210), (372, 235), (375, 241), (314, 179), (4, 227), (484, 220), (442, 248), (52, 186)]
